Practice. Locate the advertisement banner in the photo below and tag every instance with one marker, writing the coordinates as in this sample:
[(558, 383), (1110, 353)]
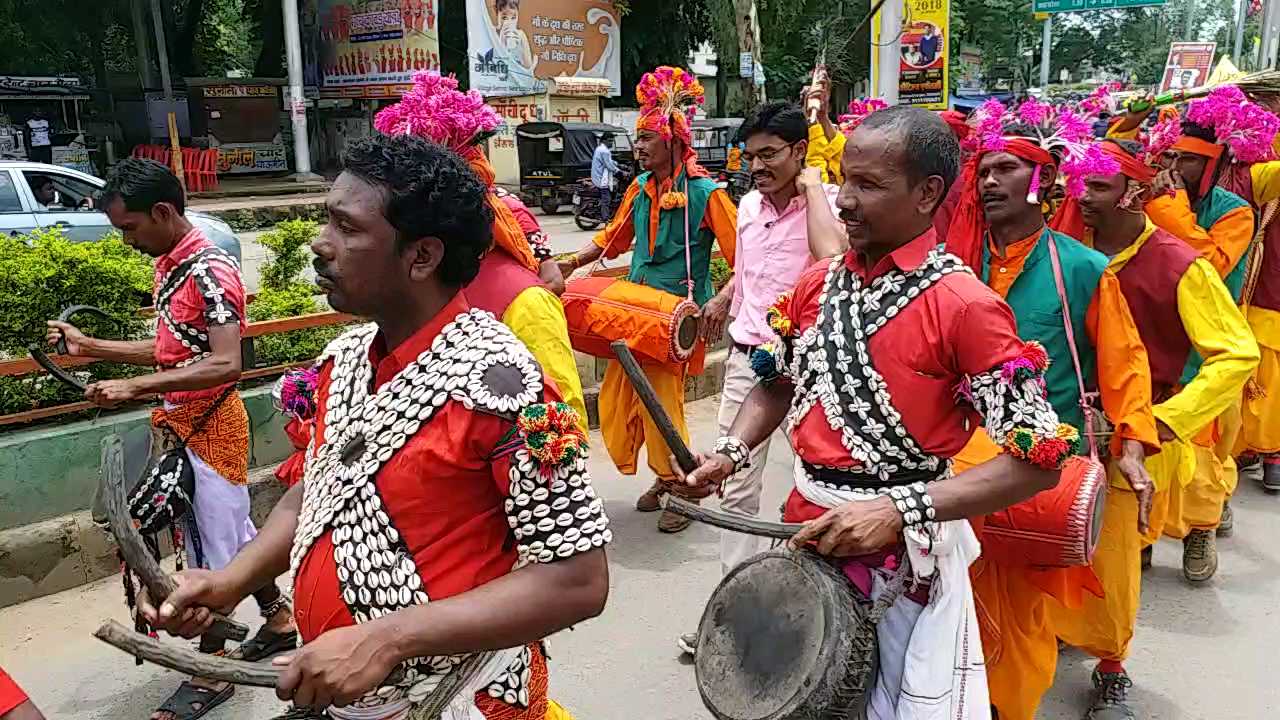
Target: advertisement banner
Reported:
[(76, 158), (923, 78), (515, 48), (371, 48), (237, 158), (1188, 65)]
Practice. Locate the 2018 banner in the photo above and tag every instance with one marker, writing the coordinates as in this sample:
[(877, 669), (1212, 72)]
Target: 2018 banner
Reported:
[(923, 75), (516, 48)]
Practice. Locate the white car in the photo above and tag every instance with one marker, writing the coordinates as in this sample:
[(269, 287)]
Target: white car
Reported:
[(75, 209)]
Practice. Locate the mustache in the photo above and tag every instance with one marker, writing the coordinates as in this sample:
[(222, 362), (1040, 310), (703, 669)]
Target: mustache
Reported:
[(850, 216), (322, 269)]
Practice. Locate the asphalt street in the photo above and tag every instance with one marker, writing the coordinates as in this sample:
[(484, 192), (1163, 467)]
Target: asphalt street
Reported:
[(1202, 653)]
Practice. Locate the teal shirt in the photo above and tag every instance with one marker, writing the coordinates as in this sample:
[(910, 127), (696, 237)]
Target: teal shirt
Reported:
[(1038, 310), (664, 267)]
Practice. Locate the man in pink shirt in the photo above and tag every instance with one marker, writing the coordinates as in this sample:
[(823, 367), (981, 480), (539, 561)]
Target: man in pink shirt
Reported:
[(773, 247), (200, 310)]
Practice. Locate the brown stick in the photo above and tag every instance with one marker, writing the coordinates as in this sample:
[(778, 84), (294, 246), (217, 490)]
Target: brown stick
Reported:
[(158, 583), (186, 660), (649, 397), (731, 521)]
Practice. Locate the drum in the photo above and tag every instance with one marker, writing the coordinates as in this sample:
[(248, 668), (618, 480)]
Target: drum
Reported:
[(657, 325), (785, 636), (1055, 528)]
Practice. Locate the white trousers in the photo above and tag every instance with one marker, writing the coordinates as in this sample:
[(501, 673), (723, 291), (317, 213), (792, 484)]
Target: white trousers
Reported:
[(741, 491), (221, 510)]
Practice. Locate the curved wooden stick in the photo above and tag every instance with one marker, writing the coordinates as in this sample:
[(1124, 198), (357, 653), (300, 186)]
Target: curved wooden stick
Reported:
[(644, 389), (158, 583), (185, 660), (731, 521)]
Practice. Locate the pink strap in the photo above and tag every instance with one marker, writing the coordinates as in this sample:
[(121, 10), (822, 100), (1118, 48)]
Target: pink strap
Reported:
[(1085, 405)]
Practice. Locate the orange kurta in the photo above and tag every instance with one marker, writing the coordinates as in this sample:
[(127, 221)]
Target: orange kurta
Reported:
[(1020, 643), (1222, 245)]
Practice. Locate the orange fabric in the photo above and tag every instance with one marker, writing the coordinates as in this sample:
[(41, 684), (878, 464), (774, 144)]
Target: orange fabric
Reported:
[(721, 218), (625, 425), (1130, 166), (495, 709), (1222, 245), (223, 443), (600, 310), (507, 233), (1212, 151), (1123, 374), (968, 225)]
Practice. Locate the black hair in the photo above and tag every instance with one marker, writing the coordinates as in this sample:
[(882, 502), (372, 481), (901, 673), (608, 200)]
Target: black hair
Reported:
[(37, 181), (500, 5), (142, 184), (1133, 148), (1198, 131), (930, 147), (430, 192), (781, 118)]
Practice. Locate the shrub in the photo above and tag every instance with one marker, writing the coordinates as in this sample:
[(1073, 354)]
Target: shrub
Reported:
[(295, 345), (288, 244), (720, 273)]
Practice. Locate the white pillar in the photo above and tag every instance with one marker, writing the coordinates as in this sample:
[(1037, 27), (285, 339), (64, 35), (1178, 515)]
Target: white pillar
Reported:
[(297, 101), (1242, 7), (1270, 33), (1046, 46), (889, 62)]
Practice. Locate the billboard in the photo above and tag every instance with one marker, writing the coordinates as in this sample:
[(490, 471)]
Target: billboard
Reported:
[(923, 78), (371, 48), (516, 48), (1188, 66)]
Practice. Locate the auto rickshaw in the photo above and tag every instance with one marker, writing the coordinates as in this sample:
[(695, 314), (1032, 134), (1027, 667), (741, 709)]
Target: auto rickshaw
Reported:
[(555, 156), (711, 140)]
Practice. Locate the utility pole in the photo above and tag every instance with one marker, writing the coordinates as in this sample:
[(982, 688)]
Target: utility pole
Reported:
[(748, 24), (1190, 12), (175, 146), (1270, 34), (297, 100), (889, 57), (1242, 7), (1046, 46)]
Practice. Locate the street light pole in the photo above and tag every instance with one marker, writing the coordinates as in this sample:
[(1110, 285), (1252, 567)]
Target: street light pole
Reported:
[(1046, 46), (297, 100), (889, 58), (1242, 7), (1270, 33), (1190, 12)]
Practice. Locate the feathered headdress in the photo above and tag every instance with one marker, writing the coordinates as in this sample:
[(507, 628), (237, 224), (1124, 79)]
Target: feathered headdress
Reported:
[(667, 97), (859, 109), (1162, 135), (1244, 126), (436, 110)]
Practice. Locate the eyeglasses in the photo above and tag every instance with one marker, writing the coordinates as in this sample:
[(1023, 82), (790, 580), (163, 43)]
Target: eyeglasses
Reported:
[(767, 155)]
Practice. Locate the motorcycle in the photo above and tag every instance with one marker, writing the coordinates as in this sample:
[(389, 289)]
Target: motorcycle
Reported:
[(586, 202)]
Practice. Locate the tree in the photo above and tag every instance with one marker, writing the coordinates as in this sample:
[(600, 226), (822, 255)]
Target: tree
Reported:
[(797, 32), (660, 32)]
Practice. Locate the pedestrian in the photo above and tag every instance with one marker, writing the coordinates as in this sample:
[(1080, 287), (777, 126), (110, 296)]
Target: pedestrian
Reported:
[(40, 142), (773, 250), (603, 169), (1178, 303), (681, 213), (200, 303), (999, 230), (438, 440), (14, 703), (872, 348)]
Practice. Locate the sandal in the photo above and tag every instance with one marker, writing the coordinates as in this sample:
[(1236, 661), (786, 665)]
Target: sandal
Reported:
[(267, 642), (182, 704)]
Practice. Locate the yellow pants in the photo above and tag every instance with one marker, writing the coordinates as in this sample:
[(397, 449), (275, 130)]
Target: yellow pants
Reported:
[(1104, 627), (1195, 503), (1261, 413), (555, 712), (626, 425)]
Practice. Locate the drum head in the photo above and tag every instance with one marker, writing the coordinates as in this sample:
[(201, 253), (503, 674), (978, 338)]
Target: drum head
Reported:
[(687, 333), (1099, 507), (775, 640)]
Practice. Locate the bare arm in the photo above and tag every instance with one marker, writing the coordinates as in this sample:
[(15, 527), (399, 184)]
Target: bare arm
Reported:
[(827, 236), (220, 368), (131, 352), (991, 486), (761, 413)]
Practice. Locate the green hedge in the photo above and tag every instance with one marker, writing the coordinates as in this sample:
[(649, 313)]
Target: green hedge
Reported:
[(284, 294)]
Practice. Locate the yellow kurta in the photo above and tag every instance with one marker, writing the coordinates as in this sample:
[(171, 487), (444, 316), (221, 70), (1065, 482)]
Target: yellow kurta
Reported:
[(1260, 410), (536, 317), (825, 154)]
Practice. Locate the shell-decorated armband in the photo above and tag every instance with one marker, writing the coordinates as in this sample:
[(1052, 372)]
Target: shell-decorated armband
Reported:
[(1014, 404)]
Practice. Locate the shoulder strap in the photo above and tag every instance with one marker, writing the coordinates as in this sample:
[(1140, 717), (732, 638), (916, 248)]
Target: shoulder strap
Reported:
[(1085, 405)]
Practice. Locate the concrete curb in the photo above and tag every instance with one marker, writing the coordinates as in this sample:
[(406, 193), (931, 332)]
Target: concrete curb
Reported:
[(67, 551)]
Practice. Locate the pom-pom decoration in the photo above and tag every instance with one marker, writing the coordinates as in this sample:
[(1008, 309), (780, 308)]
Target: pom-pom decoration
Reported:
[(295, 393), (1050, 453), (1242, 125), (767, 362), (668, 97), (553, 434), (778, 316), (858, 110), (436, 110)]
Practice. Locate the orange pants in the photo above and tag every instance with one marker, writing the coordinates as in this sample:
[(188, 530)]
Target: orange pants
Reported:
[(1261, 432), (1104, 627), (626, 425), (1179, 508)]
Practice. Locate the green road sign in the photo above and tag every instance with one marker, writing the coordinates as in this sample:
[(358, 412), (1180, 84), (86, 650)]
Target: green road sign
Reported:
[(1057, 6)]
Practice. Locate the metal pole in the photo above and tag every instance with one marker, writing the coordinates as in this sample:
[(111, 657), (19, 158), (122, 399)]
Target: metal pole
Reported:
[(175, 146), (142, 43), (1190, 12), (1242, 7), (1046, 46), (297, 101), (1270, 33), (889, 60)]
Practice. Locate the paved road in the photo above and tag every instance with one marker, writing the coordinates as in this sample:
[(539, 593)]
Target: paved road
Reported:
[(565, 237), (1201, 654)]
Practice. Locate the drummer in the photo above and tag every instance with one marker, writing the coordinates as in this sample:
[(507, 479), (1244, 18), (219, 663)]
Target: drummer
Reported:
[(884, 415), (672, 190), (1180, 303), (999, 231)]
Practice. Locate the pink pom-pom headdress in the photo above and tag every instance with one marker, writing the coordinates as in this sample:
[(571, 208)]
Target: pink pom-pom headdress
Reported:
[(668, 97), (1245, 127), (436, 110), (858, 110)]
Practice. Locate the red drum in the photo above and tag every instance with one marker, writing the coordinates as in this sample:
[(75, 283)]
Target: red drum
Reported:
[(1056, 528), (657, 325)]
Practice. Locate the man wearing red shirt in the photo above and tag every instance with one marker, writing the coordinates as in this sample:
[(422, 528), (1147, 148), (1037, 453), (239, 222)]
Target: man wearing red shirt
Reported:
[(889, 355), (14, 703), (445, 508), (200, 304)]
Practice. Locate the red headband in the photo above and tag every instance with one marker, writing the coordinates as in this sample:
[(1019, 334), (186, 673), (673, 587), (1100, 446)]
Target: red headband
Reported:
[(968, 226), (1204, 148), (956, 120), (1026, 149), (1130, 166)]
